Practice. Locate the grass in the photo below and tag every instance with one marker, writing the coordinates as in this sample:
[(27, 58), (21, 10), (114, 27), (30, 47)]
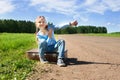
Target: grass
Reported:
[(13, 63), (116, 34)]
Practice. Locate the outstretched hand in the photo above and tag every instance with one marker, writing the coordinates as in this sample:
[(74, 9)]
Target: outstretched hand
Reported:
[(73, 23)]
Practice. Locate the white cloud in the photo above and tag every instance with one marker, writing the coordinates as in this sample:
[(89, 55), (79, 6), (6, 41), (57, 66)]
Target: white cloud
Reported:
[(63, 23), (76, 8), (100, 6), (112, 27), (60, 6), (6, 6), (89, 2), (113, 5), (108, 23), (81, 16), (66, 7)]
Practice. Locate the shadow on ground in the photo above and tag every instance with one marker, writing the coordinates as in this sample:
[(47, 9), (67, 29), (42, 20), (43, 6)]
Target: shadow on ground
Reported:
[(74, 61)]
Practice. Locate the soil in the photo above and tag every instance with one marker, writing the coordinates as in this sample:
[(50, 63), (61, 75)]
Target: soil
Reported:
[(89, 58)]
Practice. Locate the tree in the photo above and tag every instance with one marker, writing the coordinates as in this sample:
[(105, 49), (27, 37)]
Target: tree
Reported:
[(14, 26), (81, 29)]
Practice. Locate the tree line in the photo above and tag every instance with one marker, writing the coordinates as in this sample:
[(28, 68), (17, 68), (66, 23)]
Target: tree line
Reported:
[(22, 26), (81, 29), (14, 26)]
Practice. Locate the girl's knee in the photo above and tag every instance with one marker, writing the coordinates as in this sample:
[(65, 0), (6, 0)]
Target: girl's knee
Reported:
[(59, 43), (62, 41)]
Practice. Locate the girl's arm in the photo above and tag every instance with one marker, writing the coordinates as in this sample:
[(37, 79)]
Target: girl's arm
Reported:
[(50, 33), (72, 24), (50, 30), (51, 27), (41, 38)]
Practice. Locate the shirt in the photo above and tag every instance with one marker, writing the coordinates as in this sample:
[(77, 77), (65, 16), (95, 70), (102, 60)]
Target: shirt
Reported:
[(50, 41)]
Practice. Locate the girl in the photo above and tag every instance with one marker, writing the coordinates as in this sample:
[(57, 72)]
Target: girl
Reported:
[(47, 42)]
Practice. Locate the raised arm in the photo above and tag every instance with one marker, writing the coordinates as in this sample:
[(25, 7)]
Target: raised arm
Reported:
[(51, 28), (71, 24)]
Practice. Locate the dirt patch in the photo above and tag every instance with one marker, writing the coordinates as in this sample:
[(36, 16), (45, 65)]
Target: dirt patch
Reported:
[(90, 58)]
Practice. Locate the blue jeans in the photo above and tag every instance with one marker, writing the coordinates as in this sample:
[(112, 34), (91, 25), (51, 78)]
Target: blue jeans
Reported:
[(58, 47)]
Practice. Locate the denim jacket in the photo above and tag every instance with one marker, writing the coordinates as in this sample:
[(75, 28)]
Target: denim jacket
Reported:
[(50, 41)]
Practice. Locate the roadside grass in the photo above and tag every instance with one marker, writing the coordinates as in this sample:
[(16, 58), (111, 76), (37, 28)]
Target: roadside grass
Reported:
[(116, 34), (13, 63)]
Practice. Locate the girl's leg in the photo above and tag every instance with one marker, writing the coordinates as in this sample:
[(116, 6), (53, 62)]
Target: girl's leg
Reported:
[(60, 47), (42, 49)]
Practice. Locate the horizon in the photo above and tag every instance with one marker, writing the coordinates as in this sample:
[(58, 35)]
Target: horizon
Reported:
[(86, 12)]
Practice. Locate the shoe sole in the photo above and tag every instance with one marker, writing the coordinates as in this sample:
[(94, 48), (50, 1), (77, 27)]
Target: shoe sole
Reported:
[(44, 62), (61, 65)]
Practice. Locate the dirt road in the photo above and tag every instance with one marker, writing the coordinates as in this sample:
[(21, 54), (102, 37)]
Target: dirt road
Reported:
[(90, 58)]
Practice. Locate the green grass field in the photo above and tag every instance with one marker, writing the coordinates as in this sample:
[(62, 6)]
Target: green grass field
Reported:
[(13, 63)]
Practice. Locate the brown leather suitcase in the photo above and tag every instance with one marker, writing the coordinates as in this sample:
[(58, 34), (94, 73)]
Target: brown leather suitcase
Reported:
[(50, 56)]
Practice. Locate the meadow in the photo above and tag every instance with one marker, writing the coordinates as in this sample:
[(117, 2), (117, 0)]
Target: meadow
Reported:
[(13, 63)]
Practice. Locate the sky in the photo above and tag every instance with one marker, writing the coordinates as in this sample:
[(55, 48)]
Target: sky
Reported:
[(87, 12)]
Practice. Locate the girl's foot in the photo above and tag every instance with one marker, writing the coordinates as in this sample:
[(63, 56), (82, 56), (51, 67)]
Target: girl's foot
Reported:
[(61, 62), (43, 61)]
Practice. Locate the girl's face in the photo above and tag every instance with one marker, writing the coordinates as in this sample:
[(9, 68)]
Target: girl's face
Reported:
[(41, 22)]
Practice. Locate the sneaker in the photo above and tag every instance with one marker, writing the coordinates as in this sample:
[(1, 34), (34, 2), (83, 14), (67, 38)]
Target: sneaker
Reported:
[(43, 61), (60, 62)]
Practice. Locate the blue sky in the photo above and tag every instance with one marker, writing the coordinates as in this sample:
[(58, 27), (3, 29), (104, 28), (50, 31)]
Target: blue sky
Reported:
[(86, 12)]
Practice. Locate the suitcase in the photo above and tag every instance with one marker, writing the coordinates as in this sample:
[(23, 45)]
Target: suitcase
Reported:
[(50, 56)]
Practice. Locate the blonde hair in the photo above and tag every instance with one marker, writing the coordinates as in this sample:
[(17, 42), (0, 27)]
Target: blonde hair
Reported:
[(37, 19)]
